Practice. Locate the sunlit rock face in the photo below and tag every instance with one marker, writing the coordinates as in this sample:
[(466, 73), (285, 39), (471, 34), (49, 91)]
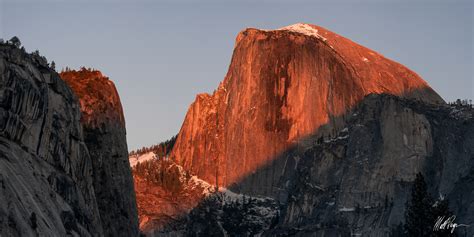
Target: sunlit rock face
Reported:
[(98, 97), (46, 175), (105, 137), (281, 86), (358, 180)]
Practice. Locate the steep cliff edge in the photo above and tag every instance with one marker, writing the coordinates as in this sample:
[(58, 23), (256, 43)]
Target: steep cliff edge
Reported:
[(281, 86), (58, 176), (46, 185), (105, 137)]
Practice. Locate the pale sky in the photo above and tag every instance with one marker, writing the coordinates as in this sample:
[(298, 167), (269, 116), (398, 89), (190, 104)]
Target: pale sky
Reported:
[(160, 54)]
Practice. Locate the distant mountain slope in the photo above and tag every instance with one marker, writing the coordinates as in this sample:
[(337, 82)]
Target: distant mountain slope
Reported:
[(161, 149), (157, 151), (140, 158)]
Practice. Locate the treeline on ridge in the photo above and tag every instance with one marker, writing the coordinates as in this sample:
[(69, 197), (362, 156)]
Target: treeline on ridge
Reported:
[(162, 149)]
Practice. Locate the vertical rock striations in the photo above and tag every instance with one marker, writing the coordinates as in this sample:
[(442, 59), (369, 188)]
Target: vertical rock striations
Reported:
[(326, 136), (358, 181), (59, 177), (281, 86), (105, 136), (46, 186)]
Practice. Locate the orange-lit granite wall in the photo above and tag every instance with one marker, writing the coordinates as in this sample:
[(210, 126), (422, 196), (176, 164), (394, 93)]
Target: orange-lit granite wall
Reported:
[(105, 137), (281, 86), (97, 94)]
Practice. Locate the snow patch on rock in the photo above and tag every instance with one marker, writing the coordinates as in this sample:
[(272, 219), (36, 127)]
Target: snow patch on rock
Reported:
[(304, 29), (336, 139), (197, 182), (347, 209), (135, 159)]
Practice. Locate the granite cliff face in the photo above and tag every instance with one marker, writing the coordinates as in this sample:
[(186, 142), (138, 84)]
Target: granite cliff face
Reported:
[(105, 137), (329, 133), (281, 86), (50, 183), (356, 181), (46, 169)]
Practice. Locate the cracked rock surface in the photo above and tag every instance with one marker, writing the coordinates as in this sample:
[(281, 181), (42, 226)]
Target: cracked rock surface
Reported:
[(47, 172)]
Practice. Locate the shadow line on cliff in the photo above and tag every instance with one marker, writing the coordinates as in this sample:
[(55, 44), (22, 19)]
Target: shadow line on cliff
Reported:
[(282, 177)]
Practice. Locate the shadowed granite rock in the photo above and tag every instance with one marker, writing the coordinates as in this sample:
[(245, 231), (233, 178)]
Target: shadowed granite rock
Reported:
[(46, 170), (105, 137), (354, 176), (358, 181), (55, 178)]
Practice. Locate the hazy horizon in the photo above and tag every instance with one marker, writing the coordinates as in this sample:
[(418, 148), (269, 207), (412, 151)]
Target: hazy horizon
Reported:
[(160, 55)]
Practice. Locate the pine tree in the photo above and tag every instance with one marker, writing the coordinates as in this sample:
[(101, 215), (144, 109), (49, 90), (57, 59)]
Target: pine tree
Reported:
[(422, 212), (15, 41), (418, 216), (397, 231)]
